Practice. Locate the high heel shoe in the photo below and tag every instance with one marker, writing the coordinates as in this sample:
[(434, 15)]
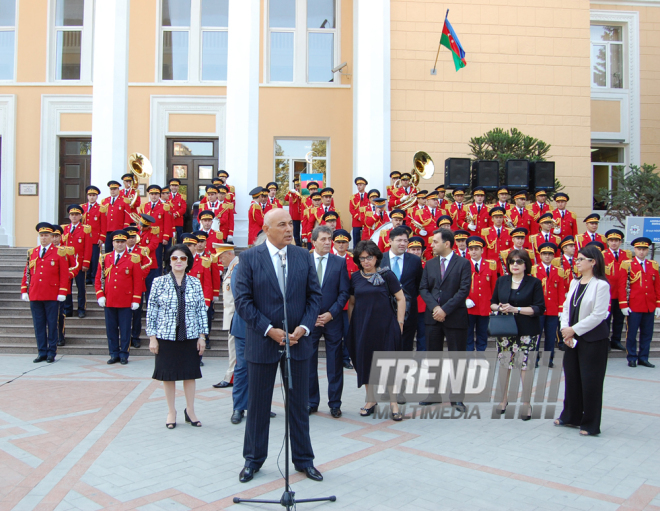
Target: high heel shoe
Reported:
[(503, 410), (196, 424), (366, 412), (171, 425), (529, 415)]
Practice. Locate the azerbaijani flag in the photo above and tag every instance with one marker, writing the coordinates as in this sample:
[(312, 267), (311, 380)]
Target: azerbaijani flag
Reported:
[(451, 42)]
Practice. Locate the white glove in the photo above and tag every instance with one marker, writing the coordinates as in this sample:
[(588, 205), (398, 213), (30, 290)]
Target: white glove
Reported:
[(61, 298), (657, 312), (472, 227), (208, 307), (230, 238), (626, 311), (102, 301), (216, 299), (135, 306), (557, 230), (423, 232), (25, 297), (469, 303)]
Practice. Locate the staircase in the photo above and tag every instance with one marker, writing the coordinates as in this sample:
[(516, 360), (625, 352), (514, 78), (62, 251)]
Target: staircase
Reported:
[(87, 336)]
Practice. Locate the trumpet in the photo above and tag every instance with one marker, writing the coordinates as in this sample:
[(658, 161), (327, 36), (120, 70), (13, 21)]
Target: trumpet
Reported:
[(508, 222)]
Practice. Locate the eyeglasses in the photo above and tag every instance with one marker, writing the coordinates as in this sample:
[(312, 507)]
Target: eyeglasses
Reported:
[(517, 261), (182, 258), (582, 259), (368, 258)]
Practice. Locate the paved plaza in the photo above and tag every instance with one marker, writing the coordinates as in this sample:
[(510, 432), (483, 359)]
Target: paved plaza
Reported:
[(81, 435)]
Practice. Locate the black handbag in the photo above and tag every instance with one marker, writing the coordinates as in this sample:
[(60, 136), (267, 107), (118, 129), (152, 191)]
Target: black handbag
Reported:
[(394, 303), (502, 325)]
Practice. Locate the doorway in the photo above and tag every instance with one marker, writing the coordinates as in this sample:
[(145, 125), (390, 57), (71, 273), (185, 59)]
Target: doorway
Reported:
[(75, 173)]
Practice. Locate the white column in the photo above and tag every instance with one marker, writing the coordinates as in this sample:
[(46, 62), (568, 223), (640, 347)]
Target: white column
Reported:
[(243, 108), (110, 101), (371, 92)]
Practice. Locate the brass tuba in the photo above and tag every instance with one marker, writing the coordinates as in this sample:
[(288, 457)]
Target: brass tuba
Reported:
[(140, 167), (423, 167)]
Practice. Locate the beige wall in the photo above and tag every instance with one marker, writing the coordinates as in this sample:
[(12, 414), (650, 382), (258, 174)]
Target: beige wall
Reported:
[(76, 122), (528, 67), (605, 116)]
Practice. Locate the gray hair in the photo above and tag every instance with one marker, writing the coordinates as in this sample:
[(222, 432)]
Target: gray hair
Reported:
[(319, 229)]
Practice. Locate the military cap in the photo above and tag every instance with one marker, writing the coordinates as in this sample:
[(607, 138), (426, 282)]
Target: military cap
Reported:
[(395, 174), (327, 192), (272, 186), (421, 193), (406, 176), (478, 190), (548, 246), (174, 181), (593, 217), (222, 189), (127, 177), (642, 242), (57, 230), (440, 188), (461, 234), (459, 191), (519, 231), (444, 219), (475, 241), (520, 194), (373, 193), (614, 234), (361, 180), (341, 235), (154, 189), (200, 235), (432, 195), (255, 192), (223, 173), (92, 189), (211, 189), (132, 230), (206, 214), (398, 213), (497, 210), (315, 195), (330, 215), (296, 179), (223, 247), (567, 240), (189, 239), (114, 184), (74, 208), (561, 196), (143, 219), (165, 189), (545, 217), (216, 181), (312, 184), (416, 242), (380, 201), (119, 235), (541, 193), (599, 244), (502, 189)]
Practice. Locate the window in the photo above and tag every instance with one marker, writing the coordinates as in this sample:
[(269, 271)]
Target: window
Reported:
[(605, 162), (194, 40), (607, 55), (7, 38), (303, 41), (292, 157), (72, 40)]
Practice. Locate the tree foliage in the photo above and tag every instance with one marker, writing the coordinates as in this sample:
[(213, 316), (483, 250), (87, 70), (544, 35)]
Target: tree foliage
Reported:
[(637, 193)]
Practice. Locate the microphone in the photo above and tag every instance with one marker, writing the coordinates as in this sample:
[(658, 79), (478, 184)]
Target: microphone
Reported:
[(282, 254)]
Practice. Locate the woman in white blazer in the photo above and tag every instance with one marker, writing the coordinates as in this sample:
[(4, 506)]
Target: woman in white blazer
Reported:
[(585, 333)]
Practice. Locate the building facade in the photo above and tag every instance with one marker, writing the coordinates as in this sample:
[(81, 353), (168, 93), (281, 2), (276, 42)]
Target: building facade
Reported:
[(257, 87)]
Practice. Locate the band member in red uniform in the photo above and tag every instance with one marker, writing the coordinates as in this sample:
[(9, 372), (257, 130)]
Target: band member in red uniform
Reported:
[(161, 214), (554, 291), (358, 201), (178, 207), (614, 256), (460, 243), (401, 194), (565, 220), (484, 276), (92, 216), (210, 251), (432, 206), (421, 219), (442, 202), (79, 237), (311, 218), (519, 214), (200, 268), (294, 199), (477, 217), (340, 240), (497, 237), (223, 175), (503, 198), (147, 246), (116, 211), (255, 215), (271, 200), (544, 235), (567, 261), (45, 265), (444, 222), (417, 210), (416, 247), (395, 176), (145, 265), (458, 210), (592, 221), (639, 299), (538, 208), (397, 217), (373, 220), (118, 290), (312, 187), (165, 199), (129, 193), (518, 239), (74, 269), (327, 204), (225, 215)]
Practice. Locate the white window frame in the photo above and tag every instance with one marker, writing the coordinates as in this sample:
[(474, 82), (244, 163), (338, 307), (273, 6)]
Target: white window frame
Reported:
[(328, 173), (300, 45), (625, 151), (194, 46), (86, 44), (13, 28), (608, 44)]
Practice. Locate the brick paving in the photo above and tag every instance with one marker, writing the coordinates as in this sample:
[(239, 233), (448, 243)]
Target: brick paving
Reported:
[(81, 435)]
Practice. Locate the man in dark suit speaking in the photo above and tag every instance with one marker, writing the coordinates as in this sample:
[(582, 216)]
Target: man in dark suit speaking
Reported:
[(445, 286), (262, 274)]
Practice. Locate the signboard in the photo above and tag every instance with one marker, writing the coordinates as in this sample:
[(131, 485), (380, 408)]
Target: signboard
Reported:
[(28, 188), (648, 226)]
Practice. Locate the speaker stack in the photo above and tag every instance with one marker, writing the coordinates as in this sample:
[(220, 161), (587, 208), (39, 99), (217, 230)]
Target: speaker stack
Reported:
[(486, 174), (516, 174), (543, 175), (457, 173)]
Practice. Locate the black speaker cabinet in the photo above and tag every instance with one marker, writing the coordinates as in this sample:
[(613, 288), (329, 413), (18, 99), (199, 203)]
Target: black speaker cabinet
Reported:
[(543, 175), (516, 174), (457, 173), (486, 173)]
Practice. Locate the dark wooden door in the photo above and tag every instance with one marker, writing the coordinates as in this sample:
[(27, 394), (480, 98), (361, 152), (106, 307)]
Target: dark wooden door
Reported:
[(194, 161), (75, 173)]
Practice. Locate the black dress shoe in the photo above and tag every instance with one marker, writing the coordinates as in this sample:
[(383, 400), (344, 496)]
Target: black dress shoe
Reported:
[(312, 409), (69, 314), (237, 416), (551, 364), (50, 360), (348, 365), (112, 361), (459, 406), (247, 474), (616, 345), (40, 358), (632, 363), (335, 412), (646, 363), (208, 345), (427, 403), (201, 363), (123, 361), (62, 342), (311, 473), (136, 343), (223, 384), (273, 414), (81, 314)]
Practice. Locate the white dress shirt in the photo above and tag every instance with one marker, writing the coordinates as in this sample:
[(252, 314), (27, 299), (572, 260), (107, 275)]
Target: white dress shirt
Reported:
[(447, 259), (324, 264), (393, 260)]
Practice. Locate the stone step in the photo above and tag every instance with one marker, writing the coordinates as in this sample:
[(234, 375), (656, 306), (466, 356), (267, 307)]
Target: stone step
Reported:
[(95, 349)]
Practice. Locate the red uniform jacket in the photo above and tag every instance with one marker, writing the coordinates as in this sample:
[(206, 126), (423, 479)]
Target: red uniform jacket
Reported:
[(445, 205), (458, 215), (481, 219), (295, 204), (178, 208), (397, 195), (538, 239), (525, 220), (582, 240), (354, 206), (373, 221), (128, 195), (554, 288), (350, 266), (201, 270), (216, 270), (567, 223), (123, 281), (161, 213), (384, 240), (92, 216), (271, 204), (255, 221), (225, 215), (612, 269), (494, 245), (639, 289), (150, 239), (483, 286), (49, 276), (117, 215), (570, 272), (535, 211), (81, 241), (458, 252), (145, 264), (74, 263)]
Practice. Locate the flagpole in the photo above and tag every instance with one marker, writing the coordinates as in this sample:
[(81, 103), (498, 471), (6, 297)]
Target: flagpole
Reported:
[(433, 71)]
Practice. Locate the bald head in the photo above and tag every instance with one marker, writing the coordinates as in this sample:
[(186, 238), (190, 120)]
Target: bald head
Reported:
[(278, 227)]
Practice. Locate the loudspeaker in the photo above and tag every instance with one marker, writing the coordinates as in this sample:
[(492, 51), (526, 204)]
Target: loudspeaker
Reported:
[(486, 173), (516, 174), (457, 173), (543, 175)]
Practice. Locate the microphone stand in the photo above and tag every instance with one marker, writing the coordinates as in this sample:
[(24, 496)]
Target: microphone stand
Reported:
[(288, 499)]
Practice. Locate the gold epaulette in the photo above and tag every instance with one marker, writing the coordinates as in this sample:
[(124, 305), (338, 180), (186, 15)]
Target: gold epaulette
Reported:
[(625, 265), (135, 257), (350, 254), (369, 214), (556, 262), (608, 268), (70, 250), (534, 270), (530, 252), (485, 231), (561, 273), (155, 229), (64, 226), (232, 189), (629, 253), (655, 264), (528, 207), (363, 209), (214, 258), (166, 207), (127, 200), (384, 233), (492, 264), (87, 229), (145, 251), (103, 208), (61, 251), (29, 252), (206, 262)]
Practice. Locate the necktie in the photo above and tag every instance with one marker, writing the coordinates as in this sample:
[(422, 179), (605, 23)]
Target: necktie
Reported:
[(72, 229), (463, 253), (326, 209), (478, 210), (547, 270), (442, 268), (476, 267), (361, 197), (381, 215), (433, 212), (616, 255), (563, 213), (570, 261), (593, 237), (117, 259), (520, 211), (280, 270), (546, 238), (43, 252), (112, 202), (319, 270), (153, 206), (498, 232), (397, 268)]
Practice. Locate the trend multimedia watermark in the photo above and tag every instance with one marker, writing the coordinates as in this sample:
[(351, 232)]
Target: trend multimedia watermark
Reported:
[(438, 379)]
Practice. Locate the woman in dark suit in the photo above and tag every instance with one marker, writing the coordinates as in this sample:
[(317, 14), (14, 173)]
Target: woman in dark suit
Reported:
[(519, 294), (585, 332), (177, 326)]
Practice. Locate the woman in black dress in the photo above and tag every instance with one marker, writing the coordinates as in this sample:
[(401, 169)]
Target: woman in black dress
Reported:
[(374, 325), (177, 325)]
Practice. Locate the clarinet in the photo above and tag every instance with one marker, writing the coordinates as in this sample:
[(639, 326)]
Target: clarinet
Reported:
[(504, 270), (102, 264), (27, 274)]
